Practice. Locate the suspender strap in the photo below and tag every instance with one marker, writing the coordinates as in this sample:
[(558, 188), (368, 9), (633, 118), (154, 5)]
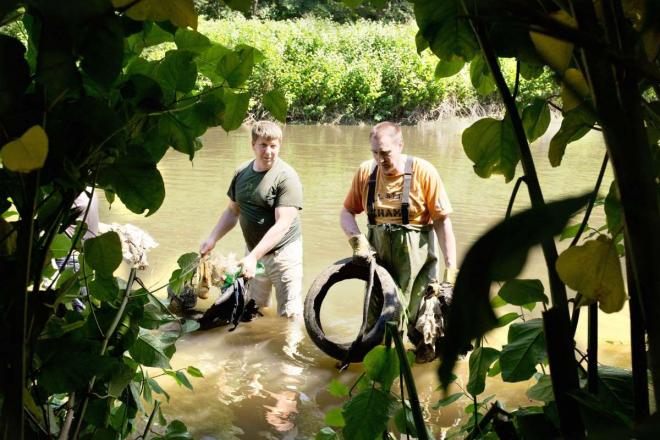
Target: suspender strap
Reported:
[(405, 195), (371, 211)]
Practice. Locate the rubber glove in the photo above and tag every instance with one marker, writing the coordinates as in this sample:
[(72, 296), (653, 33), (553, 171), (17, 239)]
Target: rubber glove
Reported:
[(363, 253)]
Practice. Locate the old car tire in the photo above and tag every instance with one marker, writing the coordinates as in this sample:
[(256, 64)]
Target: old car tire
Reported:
[(384, 286)]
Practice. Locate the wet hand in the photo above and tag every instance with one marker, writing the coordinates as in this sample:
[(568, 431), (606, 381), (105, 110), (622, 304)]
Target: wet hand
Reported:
[(249, 266)]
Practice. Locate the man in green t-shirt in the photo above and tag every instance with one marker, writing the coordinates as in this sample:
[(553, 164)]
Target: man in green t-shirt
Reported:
[(265, 196)]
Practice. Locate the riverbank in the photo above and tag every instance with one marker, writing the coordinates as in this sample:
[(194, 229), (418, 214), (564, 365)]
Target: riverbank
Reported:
[(357, 72)]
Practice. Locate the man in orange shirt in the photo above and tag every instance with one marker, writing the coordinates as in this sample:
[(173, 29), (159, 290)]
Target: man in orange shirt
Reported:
[(407, 207)]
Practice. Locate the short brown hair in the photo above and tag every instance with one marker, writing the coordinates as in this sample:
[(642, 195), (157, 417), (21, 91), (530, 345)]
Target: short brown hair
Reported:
[(267, 130), (389, 129)]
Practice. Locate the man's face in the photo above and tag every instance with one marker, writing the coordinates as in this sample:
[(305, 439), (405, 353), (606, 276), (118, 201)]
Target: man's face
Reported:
[(266, 151), (387, 152)]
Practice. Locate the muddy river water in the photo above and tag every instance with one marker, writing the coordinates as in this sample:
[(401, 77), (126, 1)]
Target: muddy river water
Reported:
[(266, 379)]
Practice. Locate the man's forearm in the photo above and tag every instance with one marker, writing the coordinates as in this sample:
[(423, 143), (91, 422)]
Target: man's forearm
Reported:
[(348, 223), (447, 241), (271, 238), (226, 223)]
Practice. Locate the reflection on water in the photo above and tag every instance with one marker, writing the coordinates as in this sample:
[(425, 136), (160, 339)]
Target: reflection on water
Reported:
[(266, 379)]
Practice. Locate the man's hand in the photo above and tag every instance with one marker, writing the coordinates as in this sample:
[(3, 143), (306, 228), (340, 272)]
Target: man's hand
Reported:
[(450, 275), (249, 265), (363, 253), (206, 246)]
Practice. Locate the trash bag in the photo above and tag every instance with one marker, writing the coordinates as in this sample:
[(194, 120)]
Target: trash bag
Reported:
[(230, 308)]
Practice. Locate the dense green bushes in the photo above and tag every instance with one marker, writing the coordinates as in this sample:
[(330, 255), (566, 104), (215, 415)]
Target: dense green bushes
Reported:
[(352, 72)]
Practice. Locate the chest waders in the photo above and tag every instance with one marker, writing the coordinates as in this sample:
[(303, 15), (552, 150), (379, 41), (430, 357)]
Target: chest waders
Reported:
[(408, 252)]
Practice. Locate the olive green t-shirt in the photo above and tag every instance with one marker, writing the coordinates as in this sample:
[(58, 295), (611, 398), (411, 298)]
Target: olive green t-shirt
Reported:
[(258, 193)]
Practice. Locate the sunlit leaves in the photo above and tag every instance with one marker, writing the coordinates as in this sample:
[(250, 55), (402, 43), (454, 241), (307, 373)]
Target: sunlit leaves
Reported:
[(498, 255), (192, 41), (480, 361), (366, 414), (236, 66), (536, 119), (335, 418), (14, 72), (103, 253), (449, 67), (381, 364), (153, 350), (446, 401), (180, 12), (576, 124), (522, 292), (447, 33), (27, 153), (275, 102), (574, 89), (490, 144), (480, 75), (594, 270), (236, 106), (337, 389), (555, 52), (177, 72), (524, 350)]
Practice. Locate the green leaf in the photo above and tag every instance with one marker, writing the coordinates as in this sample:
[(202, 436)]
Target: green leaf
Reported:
[(443, 26), (594, 270), (613, 210), (446, 401), (177, 72), (239, 5), (507, 319), (449, 67), (180, 13), (536, 119), (236, 67), (497, 302), (530, 71), (28, 152), (194, 372), (405, 423), (570, 231), (480, 361), (524, 350), (152, 351), (176, 430), (177, 134), (495, 369), (334, 418), (326, 433), (60, 246), (192, 41), (102, 49), (615, 388), (103, 253), (522, 292), (104, 287), (381, 365), (366, 414), (236, 106), (576, 124), (275, 102), (209, 59), (56, 64), (503, 247), (181, 379), (337, 388), (14, 72), (480, 75), (156, 388), (542, 389), (120, 379), (490, 144), (136, 181)]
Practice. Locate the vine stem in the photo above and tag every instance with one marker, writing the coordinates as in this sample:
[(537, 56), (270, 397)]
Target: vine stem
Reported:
[(104, 346), (560, 354)]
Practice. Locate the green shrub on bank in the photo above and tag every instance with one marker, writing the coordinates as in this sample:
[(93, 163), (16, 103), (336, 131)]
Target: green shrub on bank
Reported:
[(363, 71)]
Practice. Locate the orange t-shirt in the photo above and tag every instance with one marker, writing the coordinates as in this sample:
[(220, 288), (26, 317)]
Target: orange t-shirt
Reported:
[(428, 198)]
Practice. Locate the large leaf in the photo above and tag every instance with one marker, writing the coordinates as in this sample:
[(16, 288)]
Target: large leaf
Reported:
[(275, 102), (576, 124), (524, 350), (102, 50), (180, 12), (542, 389), (491, 145), (103, 253), (574, 89), (613, 210), (366, 414), (153, 350), (480, 361), (236, 106), (14, 72), (443, 25), (136, 181), (337, 388), (192, 41), (104, 288), (480, 75), (450, 67), (381, 364), (498, 255), (334, 418), (522, 292), (208, 61), (555, 52), (536, 119), (594, 270), (56, 64), (236, 67), (177, 72), (27, 153)]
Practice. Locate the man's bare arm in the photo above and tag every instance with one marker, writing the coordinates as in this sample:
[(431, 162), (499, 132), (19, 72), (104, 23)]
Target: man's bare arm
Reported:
[(226, 223), (446, 239), (348, 223)]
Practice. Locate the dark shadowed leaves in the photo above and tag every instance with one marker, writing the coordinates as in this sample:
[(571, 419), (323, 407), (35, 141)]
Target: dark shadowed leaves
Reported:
[(536, 119), (14, 72), (102, 49), (480, 75), (506, 244), (103, 253), (576, 123), (613, 210), (542, 389), (443, 25), (177, 72), (522, 292), (153, 350), (275, 102), (480, 361), (524, 350)]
